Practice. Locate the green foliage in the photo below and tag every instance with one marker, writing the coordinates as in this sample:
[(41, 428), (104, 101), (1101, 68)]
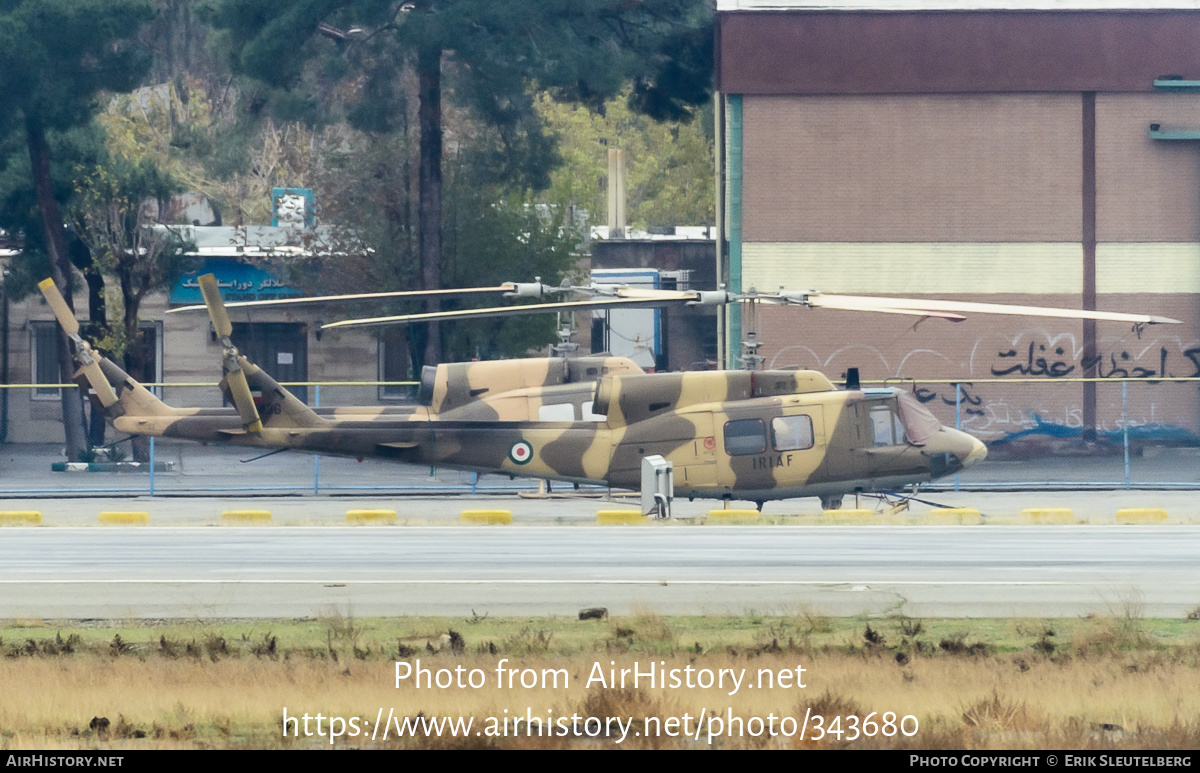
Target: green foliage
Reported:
[(668, 165), (367, 195), (112, 205), (683, 66), (166, 124), (582, 51), (320, 58), (497, 56), (231, 158), (492, 237), (81, 145), (492, 234), (57, 55)]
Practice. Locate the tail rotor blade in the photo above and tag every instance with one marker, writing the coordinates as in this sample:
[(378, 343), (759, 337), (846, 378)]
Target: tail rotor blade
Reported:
[(62, 312), (216, 305), (99, 383), (244, 400), (235, 377), (83, 351)]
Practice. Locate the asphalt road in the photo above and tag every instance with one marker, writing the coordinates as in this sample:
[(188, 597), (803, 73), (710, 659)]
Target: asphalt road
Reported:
[(553, 560), (184, 572)]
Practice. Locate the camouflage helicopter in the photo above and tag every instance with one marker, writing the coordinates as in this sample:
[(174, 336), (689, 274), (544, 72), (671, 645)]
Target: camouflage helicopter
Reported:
[(745, 435)]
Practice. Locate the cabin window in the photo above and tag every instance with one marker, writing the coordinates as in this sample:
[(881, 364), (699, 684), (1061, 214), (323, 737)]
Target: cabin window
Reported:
[(745, 436), (556, 412), (792, 433), (919, 424), (885, 426)]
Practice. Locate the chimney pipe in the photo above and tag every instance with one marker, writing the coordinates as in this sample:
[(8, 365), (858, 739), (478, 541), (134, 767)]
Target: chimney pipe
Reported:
[(616, 194)]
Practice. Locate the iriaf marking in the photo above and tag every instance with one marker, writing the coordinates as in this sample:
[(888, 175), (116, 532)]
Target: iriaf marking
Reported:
[(769, 462)]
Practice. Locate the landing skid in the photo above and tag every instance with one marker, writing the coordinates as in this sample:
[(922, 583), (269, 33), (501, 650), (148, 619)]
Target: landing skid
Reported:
[(546, 491), (892, 504), (892, 507)]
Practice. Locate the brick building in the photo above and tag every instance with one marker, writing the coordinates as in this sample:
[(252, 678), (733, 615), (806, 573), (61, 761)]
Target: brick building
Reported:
[(1039, 152)]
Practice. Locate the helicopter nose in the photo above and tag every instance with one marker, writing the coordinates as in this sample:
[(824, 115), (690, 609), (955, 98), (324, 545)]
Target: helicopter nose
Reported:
[(965, 450), (976, 455), (954, 451)]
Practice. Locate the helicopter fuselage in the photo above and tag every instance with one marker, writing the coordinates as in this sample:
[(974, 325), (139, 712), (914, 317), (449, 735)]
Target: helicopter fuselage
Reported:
[(729, 434)]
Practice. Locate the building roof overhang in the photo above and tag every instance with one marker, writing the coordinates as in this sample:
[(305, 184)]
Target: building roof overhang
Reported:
[(912, 47)]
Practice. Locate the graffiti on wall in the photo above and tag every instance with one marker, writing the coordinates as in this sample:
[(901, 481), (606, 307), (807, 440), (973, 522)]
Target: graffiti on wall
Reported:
[(1037, 361), (997, 411)]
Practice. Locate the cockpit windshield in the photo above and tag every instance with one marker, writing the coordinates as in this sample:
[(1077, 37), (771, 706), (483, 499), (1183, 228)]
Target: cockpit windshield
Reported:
[(919, 424)]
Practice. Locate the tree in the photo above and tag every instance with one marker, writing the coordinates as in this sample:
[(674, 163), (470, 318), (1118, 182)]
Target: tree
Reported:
[(498, 53), (669, 164), (56, 56), (496, 234), (115, 213), (491, 233)]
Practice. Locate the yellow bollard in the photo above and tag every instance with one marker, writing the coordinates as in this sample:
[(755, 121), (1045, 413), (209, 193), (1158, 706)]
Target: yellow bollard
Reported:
[(20, 517), (370, 517), (1042, 515), (621, 518), (953, 515), (124, 519), (487, 517), (1141, 515), (245, 517)]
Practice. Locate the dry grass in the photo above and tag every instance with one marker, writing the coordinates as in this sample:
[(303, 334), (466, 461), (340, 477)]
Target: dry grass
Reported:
[(1103, 683)]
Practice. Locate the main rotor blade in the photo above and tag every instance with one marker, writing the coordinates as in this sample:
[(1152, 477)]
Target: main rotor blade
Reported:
[(215, 305), (650, 294), (356, 297), (83, 351), (506, 311), (870, 303), (607, 290), (924, 313)]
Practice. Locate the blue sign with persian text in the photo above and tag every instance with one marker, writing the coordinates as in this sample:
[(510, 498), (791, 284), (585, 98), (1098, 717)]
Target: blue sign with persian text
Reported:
[(238, 282)]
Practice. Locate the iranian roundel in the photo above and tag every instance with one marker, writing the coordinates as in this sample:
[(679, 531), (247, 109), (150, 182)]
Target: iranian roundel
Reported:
[(520, 452)]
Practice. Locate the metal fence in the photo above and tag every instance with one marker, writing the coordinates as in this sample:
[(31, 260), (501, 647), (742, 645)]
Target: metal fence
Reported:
[(1041, 433)]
